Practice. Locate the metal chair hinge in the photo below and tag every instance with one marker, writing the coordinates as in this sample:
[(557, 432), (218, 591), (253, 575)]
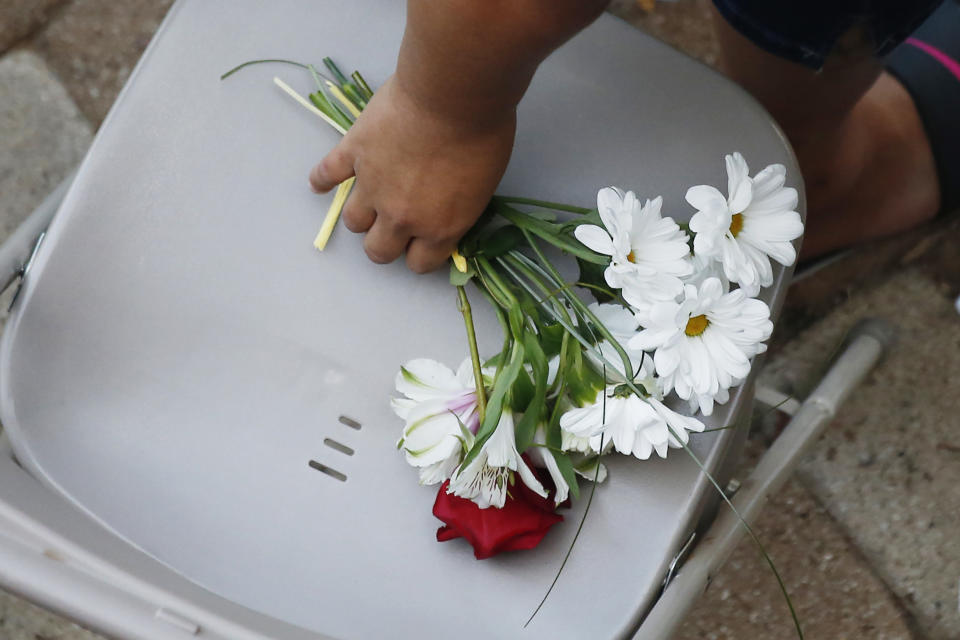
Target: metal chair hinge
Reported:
[(22, 273), (678, 560)]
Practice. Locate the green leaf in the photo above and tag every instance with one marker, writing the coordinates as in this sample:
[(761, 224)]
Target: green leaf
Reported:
[(459, 278), (566, 470), (591, 217), (500, 241), (515, 320), (521, 395), (583, 382), (527, 426), (540, 214), (544, 204), (589, 467), (475, 238), (550, 233), (551, 337), (591, 273), (497, 400)]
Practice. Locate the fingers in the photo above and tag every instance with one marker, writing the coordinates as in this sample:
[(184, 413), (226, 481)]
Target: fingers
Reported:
[(336, 167), (424, 256), (385, 242), (358, 213)]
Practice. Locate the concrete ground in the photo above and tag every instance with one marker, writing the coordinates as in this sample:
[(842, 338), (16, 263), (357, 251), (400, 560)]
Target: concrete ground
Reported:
[(865, 534)]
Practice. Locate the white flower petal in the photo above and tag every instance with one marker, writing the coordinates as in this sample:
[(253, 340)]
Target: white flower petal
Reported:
[(737, 171), (594, 238), (706, 198), (423, 379)]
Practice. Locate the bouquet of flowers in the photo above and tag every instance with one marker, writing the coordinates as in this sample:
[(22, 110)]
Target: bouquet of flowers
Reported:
[(660, 322), (673, 327)]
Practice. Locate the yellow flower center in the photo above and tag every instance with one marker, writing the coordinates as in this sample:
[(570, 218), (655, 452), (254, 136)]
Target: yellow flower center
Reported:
[(736, 224), (632, 257), (696, 325)]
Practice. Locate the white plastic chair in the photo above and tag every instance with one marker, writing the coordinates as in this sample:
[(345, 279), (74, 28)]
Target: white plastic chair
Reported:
[(179, 354)]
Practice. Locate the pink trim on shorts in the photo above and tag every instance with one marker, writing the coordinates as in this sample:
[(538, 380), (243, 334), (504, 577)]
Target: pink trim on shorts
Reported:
[(952, 65)]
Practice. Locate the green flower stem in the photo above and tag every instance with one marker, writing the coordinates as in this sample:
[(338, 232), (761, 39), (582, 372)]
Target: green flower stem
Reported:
[(365, 89), (317, 77), (613, 294), (548, 270), (320, 101), (464, 305), (515, 316), (549, 232), (559, 319), (502, 288), (353, 94), (556, 206), (335, 70), (491, 286), (559, 385), (253, 62), (548, 294), (501, 318)]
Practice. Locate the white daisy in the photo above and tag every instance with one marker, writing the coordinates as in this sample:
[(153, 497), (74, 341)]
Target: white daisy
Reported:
[(486, 479), (755, 222), (703, 268), (703, 343), (630, 424), (704, 403), (648, 253), (623, 324), (619, 320), (580, 444), (619, 419), (436, 402)]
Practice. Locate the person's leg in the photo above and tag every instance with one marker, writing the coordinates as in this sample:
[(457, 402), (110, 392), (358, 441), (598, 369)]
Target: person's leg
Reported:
[(927, 65), (867, 164)]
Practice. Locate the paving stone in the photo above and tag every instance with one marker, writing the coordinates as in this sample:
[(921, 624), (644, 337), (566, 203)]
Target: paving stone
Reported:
[(21, 620), (684, 24), (888, 468), (20, 18), (42, 136), (93, 46), (833, 589)]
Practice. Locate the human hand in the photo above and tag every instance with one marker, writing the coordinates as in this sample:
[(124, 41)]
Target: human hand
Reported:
[(423, 178)]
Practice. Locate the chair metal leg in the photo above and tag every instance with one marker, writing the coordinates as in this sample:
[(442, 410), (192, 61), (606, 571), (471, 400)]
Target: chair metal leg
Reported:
[(865, 347)]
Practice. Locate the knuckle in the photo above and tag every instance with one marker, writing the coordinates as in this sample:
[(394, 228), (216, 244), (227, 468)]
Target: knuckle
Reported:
[(402, 216)]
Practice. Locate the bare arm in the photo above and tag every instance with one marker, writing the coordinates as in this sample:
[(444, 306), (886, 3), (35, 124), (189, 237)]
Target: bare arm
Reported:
[(430, 148)]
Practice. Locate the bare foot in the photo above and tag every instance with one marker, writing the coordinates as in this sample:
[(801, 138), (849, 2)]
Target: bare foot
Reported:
[(873, 176), (863, 151)]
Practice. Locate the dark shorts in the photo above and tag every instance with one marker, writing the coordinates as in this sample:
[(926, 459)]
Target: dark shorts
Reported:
[(806, 31)]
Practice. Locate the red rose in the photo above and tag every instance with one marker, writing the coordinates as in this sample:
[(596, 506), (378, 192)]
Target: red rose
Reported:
[(520, 524)]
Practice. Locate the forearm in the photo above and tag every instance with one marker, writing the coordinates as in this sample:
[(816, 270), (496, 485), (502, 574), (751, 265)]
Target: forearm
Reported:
[(470, 61)]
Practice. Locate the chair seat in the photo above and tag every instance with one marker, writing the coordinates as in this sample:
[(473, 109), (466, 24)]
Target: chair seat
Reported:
[(180, 352)]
